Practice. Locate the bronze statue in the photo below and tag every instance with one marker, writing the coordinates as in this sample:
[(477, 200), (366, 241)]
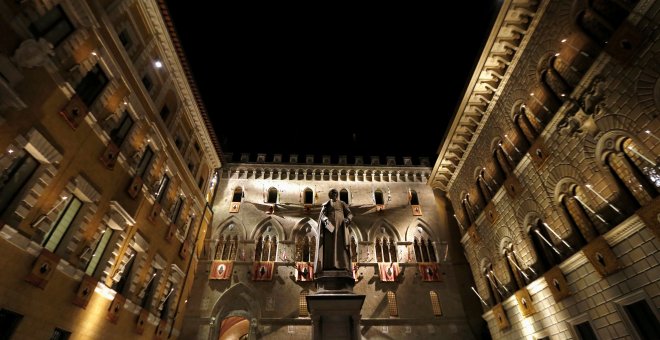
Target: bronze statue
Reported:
[(334, 237)]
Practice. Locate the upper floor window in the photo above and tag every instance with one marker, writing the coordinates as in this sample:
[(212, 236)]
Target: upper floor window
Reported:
[(144, 161), (308, 196), (162, 188), (14, 178), (378, 197), (414, 199), (343, 196), (125, 39), (385, 249), (119, 134), (272, 195), (424, 250), (164, 112), (91, 85), (98, 249), (53, 26), (238, 195), (146, 81), (62, 224)]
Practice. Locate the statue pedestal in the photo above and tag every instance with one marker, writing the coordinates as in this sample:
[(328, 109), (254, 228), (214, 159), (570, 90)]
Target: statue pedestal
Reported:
[(335, 309)]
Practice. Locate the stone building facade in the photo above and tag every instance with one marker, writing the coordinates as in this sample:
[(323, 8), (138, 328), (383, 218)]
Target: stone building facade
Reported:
[(106, 168), (266, 214), (551, 167)]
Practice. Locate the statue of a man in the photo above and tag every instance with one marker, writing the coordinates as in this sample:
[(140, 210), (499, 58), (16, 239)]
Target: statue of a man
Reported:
[(334, 236)]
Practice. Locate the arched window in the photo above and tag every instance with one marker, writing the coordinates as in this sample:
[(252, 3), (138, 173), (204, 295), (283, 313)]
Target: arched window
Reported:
[(385, 250), (423, 247), (468, 212), (495, 295), (484, 188), (344, 196), (305, 244), (573, 204), (547, 253), (266, 247), (523, 122), (414, 199), (512, 271), (227, 246), (635, 171), (308, 196), (272, 195), (238, 195), (502, 159), (378, 197), (551, 78), (600, 18)]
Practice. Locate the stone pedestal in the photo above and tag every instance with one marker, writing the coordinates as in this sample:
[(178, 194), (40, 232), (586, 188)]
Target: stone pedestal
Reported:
[(335, 309)]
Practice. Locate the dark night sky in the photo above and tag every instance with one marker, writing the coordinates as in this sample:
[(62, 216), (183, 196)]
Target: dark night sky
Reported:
[(357, 80)]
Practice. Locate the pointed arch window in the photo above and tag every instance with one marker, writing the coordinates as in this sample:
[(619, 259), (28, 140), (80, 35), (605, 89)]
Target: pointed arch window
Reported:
[(354, 249), (266, 249), (414, 198), (305, 245), (385, 250)]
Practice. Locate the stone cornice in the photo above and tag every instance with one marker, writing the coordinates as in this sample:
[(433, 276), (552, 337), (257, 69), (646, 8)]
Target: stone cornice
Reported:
[(511, 31), (184, 84)]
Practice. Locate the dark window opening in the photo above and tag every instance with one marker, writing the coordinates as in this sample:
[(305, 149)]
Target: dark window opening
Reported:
[(644, 320), (146, 81), (162, 188), (91, 85), (164, 112), (53, 26), (8, 323), (118, 135), (309, 196), (238, 195), (414, 199), (378, 197), (125, 39), (272, 195), (60, 334), (63, 223), (585, 332), (144, 162), (14, 178), (343, 196)]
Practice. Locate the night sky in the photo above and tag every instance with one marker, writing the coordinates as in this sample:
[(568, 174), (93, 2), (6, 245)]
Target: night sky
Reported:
[(356, 80)]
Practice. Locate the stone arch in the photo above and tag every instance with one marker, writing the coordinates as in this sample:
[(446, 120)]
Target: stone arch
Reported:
[(530, 220), (559, 173), (505, 244), (413, 228), (227, 223), (503, 232), (524, 208), (263, 224), (611, 141), (236, 301), (306, 221), (383, 223)]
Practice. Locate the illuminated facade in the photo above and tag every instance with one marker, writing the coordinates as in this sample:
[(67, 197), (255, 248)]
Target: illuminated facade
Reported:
[(551, 166), (256, 268), (106, 169)]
